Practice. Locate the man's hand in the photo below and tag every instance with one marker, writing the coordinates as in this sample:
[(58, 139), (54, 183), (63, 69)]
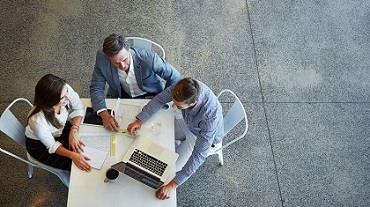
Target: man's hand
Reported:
[(134, 126), (108, 121), (165, 190)]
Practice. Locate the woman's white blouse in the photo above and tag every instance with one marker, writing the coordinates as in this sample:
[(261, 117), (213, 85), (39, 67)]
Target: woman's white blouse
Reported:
[(39, 128)]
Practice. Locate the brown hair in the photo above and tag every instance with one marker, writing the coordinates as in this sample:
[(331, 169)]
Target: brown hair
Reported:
[(113, 44), (47, 94), (186, 91)]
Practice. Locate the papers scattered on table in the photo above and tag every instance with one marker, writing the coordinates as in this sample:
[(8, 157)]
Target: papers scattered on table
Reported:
[(126, 113), (97, 157)]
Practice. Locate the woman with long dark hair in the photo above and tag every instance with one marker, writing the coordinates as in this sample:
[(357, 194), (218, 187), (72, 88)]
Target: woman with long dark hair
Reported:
[(50, 137)]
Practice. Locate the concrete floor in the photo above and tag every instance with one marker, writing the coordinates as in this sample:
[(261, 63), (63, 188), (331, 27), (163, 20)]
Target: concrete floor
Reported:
[(301, 69)]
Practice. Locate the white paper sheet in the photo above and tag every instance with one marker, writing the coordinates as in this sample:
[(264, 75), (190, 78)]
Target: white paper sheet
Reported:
[(126, 113), (97, 157), (93, 130), (98, 142)]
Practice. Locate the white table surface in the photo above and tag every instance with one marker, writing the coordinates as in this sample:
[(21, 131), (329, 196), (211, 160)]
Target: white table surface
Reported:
[(89, 189)]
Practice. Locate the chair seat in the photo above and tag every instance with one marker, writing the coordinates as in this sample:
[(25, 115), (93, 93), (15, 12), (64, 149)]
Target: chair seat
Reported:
[(63, 175)]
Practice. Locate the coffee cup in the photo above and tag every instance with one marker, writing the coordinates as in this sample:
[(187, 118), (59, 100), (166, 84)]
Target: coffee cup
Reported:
[(111, 175)]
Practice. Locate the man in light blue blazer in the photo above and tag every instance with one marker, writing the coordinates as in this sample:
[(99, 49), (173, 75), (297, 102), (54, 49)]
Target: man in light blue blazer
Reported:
[(129, 73)]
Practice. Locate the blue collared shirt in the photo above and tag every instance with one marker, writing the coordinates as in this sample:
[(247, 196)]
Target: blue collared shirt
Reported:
[(204, 120)]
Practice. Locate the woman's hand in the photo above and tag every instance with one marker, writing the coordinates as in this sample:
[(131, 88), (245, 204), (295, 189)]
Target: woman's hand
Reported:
[(81, 161), (75, 144)]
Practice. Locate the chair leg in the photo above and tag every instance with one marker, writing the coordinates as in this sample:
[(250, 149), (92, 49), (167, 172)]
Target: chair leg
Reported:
[(30, 171), (220, 157)]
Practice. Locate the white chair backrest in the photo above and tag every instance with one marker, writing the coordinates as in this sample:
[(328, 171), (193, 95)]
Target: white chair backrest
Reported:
[(14, 129), (139, 42), (234, 116), (11, 126)]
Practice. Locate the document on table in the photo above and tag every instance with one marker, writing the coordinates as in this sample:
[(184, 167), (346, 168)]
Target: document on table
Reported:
[(100, 142), (93, 130), (126, 113), (97, 157)]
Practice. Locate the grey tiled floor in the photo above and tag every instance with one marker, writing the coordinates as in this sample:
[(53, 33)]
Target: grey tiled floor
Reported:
[(301, 69)]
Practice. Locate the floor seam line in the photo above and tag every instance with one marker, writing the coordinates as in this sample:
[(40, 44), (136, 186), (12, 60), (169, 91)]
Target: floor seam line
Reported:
[(263, 102)]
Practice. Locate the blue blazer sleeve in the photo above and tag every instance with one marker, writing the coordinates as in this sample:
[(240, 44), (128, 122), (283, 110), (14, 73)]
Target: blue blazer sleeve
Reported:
[(97, 84), (165, 71), (151, 61)]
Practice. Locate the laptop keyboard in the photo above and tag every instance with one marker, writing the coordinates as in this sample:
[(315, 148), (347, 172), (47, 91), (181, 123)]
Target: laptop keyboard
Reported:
[(148, 162)]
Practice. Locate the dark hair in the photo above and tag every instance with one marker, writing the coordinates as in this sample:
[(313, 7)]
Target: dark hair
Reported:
[(186, 91), (113, 44), (47, 94)]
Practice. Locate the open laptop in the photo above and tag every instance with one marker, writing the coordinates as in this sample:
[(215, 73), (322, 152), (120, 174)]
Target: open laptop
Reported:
[(147, 162)]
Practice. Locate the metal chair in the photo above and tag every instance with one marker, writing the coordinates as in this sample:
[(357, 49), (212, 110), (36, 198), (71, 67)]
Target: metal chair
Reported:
[(139, 42), (232, 118), (13, 128)]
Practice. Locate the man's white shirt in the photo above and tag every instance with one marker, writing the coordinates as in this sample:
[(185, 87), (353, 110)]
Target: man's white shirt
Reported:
[(128, 83)]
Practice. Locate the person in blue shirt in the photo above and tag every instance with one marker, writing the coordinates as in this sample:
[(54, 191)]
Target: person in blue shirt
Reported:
[(200, 127), (129, 73)]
